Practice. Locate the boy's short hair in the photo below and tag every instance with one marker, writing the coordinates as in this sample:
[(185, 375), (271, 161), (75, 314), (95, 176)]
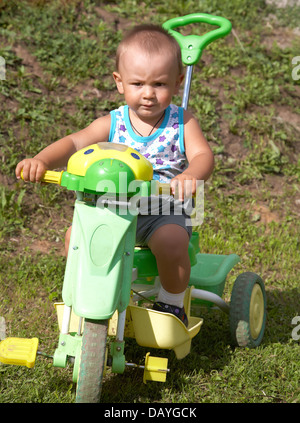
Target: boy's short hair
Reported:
[(153, 39)]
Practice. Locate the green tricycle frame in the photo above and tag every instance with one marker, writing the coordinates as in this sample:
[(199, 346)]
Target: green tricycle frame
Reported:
[(109, 282)]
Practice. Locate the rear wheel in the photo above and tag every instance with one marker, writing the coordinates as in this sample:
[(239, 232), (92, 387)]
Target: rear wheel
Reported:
[(248, 310), (92, 361)]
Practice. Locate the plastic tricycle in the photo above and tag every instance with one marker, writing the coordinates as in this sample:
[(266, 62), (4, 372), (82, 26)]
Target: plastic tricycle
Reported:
[(109, 282)]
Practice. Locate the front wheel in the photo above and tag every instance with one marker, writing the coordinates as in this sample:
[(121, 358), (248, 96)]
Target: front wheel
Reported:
[(92, 361), (248, 310)]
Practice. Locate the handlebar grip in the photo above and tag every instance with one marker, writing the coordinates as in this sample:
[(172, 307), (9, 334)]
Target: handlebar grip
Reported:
[(193, 45), (163, 188), (50, 177)]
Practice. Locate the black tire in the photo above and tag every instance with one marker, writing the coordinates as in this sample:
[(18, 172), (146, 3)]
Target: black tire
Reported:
[(247, 315), (92, 361)]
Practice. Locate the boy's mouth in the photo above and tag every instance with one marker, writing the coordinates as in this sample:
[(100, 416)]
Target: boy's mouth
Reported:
[(148, 106)]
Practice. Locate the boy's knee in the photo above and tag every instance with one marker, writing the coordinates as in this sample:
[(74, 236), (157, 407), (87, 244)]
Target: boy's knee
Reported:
[(172, 244)]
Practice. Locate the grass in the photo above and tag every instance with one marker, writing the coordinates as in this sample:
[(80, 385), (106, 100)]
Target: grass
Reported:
[(59, 57)]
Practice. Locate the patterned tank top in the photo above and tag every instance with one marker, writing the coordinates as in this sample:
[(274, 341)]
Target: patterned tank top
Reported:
[(164, 148)]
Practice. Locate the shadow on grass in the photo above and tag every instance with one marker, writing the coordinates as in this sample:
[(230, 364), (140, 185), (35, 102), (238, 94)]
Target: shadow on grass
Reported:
[(282, 307), (211, 351)]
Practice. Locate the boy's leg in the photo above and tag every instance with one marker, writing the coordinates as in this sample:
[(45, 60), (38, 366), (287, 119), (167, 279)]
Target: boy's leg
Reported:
[(169, 243)]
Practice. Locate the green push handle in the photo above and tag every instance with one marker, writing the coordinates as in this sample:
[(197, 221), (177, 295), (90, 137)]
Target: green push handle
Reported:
[(193, 45)]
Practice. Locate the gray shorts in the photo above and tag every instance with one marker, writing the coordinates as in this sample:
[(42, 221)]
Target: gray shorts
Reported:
[(159, 212)]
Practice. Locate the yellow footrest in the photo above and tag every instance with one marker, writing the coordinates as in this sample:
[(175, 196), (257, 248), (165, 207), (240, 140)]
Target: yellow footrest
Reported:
[(19, 351)]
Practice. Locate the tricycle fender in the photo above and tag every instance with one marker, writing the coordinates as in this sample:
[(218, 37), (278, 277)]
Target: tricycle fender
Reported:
[(100, 259)]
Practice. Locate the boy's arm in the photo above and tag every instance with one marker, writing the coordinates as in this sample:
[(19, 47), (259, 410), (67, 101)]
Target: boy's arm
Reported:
[(199, 156), (56, 155)]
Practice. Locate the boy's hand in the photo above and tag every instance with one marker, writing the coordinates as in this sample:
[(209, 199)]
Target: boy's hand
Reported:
[(184, 184), (33, 170)]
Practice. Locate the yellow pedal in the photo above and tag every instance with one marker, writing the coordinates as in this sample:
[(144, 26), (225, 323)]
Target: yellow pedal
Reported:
[(156, 369), (19, 351)]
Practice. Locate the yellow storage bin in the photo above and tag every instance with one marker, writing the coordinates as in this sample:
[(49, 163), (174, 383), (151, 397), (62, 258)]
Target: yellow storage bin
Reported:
[(155, 329)]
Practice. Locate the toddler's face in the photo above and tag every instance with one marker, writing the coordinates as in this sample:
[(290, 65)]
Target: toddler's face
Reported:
[(148, 82)]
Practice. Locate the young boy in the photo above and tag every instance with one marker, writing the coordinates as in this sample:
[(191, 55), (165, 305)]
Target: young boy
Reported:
[(148, 74)]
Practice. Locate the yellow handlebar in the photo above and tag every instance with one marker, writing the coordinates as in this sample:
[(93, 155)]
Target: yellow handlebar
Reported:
[(50, 177), (163, 188), (54, 177)]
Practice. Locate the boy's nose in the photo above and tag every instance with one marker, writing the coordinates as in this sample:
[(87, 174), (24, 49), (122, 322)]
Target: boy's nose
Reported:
[(148, 91)]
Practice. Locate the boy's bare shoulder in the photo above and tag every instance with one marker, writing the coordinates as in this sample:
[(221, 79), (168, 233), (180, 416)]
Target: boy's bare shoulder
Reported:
[(187, 116), (191, 123)]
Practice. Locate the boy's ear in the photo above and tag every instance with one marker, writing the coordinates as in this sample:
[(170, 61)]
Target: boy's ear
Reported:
[(118, 81), (178, 83)]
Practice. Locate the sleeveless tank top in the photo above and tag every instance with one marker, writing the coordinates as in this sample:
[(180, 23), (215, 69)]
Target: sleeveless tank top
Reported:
[(164, 148)]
